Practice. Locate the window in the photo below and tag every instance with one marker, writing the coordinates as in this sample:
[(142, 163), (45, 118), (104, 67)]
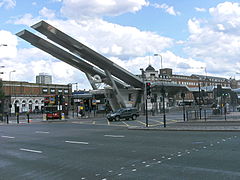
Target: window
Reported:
[(65, 91), (44, 90), (52, 90)]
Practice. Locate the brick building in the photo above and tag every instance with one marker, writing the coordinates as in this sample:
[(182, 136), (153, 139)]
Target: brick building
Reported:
[(26, 96)]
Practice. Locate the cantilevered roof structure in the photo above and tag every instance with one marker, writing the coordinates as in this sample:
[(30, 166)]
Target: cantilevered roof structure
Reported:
[(80, 50)]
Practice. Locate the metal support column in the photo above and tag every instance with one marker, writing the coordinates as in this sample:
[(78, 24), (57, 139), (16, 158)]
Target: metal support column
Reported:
[(116, 91)]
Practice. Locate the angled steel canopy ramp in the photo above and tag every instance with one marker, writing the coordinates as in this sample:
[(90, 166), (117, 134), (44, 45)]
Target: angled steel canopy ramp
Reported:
[(65, 56), (88, 54)]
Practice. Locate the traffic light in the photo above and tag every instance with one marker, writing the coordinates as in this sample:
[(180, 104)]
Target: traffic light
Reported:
[(148, 88)]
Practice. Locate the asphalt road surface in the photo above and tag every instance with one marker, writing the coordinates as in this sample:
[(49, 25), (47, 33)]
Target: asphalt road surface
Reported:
[(88, 151)]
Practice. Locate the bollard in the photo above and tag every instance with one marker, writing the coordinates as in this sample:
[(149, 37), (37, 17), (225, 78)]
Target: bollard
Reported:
[(28, 117), (7, 118), (205, 115), (17, 117)]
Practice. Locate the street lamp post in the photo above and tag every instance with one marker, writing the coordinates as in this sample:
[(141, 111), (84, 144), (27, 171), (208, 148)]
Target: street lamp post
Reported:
[(164, 113), (10, 90), (199, 99), (73, 99), (161, 59)]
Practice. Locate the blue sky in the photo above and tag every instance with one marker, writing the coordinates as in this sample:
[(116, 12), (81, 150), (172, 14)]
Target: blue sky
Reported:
[(191, 35)]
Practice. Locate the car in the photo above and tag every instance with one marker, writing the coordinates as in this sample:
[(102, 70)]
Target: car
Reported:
[(123, 113)]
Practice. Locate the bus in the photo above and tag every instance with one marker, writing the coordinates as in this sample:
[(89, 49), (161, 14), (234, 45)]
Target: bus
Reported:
[(54, 106)]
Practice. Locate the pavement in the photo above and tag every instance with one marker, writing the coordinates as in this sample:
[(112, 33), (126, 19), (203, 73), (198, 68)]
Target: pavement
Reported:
[(216, 125), (193, 125)]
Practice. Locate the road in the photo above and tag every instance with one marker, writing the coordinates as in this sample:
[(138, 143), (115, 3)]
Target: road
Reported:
[(88, 151)]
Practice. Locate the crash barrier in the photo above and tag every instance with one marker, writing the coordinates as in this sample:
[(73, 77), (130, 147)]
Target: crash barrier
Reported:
[(212, 114)]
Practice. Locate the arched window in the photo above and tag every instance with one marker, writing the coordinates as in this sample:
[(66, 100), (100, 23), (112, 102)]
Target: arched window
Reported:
[(23, 103)]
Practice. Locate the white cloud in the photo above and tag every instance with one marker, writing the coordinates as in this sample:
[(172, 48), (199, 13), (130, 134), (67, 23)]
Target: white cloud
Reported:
[(7, 4), (200, 9), (169, 9), (227, 14), (26, 19), (112, 39), (194, 26), (216, 41), (48, 13), (10, 40), (79, 9)]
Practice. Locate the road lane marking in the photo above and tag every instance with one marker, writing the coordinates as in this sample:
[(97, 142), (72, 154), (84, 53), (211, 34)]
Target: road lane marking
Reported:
[(42, 132), (9, 137), (115, 136), (142, 123), (77, 142), (125, 123), (30, 150)]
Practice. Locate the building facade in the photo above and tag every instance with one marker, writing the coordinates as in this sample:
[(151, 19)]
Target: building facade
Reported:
[(25, 96), (43, 78)]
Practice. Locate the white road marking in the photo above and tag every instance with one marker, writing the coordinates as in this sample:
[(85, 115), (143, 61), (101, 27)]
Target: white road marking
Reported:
[(9, 137), (77, 142), (119, 174), (42, 132), (30, 150), (115, 136), (147, 165), (159, 162), (125, 123), (134, 170), (142, 123)]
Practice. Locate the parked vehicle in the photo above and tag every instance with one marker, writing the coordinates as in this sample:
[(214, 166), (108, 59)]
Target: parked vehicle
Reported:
[(123, 113)]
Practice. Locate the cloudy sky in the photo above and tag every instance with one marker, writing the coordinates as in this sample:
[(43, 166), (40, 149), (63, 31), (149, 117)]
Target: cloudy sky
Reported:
[(193, 37)]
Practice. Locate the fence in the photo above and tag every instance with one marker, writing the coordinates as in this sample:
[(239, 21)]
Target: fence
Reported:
[(211, 114)]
